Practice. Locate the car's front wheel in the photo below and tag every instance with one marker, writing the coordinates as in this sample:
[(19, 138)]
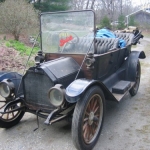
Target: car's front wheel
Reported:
[(88, 119), (10, 119)]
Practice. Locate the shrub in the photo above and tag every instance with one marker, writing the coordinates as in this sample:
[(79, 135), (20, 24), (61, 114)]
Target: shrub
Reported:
[(16, 16), (121, 22), (105, 23), (21, 47)]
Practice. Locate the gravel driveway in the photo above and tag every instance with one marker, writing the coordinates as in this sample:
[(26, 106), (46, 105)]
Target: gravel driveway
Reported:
[(126, 125)]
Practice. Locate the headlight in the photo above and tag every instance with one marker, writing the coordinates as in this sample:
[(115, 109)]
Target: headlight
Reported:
[(89, 62), (39, 58), (56, 95), (6, 88)]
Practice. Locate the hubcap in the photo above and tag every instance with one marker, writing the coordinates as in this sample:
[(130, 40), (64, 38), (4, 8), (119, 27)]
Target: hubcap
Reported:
[(91, 118)]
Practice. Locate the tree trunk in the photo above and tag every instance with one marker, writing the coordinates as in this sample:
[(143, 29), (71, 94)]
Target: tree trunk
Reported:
[(87, 4), (92, 4), (16, 37)]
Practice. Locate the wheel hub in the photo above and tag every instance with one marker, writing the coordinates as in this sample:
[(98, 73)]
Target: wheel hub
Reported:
[(91, 118)]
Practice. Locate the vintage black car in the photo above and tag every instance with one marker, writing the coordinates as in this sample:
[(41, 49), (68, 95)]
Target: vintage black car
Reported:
[(74, 74)]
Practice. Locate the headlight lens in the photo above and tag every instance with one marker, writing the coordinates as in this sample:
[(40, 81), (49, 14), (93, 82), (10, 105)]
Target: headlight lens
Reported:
[(56, 95), (89, 62), (37, 59), (6, 88)]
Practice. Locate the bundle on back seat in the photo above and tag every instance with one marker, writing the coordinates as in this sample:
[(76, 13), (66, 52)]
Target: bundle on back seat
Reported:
[(128, 37)]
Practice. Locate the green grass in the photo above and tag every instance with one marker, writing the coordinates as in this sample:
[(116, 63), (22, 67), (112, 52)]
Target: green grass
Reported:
[(21, 47)]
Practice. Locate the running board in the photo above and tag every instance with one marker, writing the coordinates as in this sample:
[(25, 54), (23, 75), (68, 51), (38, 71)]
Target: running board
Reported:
[(121, 87), (120, 96)]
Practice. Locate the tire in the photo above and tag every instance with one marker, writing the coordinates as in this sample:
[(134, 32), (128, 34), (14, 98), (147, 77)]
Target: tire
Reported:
[(134, 89), (11, 119), (88, 119)]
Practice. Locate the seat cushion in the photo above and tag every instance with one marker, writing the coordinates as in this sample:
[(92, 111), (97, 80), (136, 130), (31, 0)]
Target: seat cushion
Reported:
[(104, 45)]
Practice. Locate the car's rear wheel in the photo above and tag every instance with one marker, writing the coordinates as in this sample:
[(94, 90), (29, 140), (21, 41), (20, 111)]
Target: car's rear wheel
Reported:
[(135, 87), (88, 119), (10, 119)]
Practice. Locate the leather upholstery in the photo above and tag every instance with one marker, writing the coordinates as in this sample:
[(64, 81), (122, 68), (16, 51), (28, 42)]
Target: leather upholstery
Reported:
[(128, 37), (84, 44), (104, 45), (80, 45)]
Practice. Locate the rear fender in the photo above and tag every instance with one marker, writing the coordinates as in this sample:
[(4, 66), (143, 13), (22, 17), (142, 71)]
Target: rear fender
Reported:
[(131, 64), (77, 88)]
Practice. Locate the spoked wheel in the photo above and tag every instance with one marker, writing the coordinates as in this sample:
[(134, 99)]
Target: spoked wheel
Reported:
[(135, 88), (10, 119), (88, 119)]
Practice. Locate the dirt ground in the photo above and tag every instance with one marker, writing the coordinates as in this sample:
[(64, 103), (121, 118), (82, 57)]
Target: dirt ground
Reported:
[(126, 125)]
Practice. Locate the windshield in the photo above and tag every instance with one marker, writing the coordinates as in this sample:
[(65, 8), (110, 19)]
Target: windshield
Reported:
[(67, 32)]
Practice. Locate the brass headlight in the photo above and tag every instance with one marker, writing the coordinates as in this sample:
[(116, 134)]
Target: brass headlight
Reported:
[(6, 88), (56, 95), (89, 62), (39, 58)]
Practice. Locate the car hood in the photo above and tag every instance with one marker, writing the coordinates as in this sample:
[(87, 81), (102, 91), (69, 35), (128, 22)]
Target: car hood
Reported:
[(61, 71)]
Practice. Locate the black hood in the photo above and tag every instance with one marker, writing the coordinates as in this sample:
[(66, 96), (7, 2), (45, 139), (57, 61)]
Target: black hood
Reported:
[(64, 70), (38, 80), (61, 67), (61, 71)]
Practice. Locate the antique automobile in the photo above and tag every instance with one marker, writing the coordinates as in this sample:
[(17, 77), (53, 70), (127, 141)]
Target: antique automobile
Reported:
[(75, 72)]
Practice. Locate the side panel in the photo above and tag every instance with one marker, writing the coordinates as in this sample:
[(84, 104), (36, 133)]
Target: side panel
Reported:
[(106, 64)]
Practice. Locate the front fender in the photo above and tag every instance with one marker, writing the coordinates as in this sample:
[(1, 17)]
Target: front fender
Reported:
[(77, 88)]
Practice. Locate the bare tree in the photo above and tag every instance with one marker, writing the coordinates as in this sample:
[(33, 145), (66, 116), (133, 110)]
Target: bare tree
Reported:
[(16, 16), (110, 8), (87, 4), (83, 4), (92, 5), (78, 4)]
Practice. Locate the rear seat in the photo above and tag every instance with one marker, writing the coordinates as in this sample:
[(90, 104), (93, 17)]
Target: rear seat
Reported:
[(81, 46), (84, 44), (104, 45), (128, 37)]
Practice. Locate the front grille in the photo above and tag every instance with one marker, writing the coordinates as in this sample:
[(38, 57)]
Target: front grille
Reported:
[(36, 88)]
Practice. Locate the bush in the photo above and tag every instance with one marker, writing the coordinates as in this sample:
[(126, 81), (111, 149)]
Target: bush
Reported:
[(132, 21), (105, 23), (121, 22), (16, 16), (21, 47)]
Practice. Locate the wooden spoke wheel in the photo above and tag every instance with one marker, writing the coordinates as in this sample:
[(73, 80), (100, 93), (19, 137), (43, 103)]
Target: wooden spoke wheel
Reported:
[(88, 119), (10, 119), (92, 118)]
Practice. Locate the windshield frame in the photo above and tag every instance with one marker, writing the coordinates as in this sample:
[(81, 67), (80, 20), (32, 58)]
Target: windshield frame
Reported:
[(60, 12)]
